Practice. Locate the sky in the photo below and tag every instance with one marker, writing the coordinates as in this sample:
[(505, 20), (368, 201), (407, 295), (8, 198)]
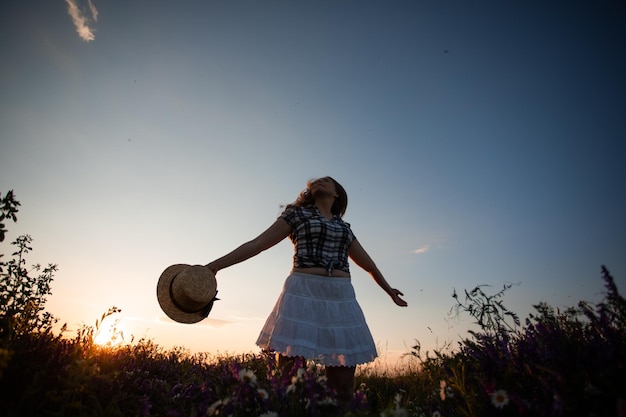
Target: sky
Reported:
[(480, 143)]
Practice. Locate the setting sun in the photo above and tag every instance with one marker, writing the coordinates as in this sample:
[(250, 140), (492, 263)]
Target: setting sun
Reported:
[(110, 332)]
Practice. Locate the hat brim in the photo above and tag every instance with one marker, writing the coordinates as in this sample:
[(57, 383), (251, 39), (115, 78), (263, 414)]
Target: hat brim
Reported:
[(167, 304)]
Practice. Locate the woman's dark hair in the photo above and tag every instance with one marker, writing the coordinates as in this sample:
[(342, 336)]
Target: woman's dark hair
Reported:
[(305, 199)]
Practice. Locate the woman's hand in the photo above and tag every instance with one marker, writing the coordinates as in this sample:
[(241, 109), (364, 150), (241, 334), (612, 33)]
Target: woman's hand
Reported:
[(395, 296)]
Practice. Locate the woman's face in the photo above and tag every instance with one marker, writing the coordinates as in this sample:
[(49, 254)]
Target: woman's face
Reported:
[(322, 186)]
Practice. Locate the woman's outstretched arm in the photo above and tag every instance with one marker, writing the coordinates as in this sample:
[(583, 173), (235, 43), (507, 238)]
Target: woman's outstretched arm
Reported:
[(270, 237), (362, 259)]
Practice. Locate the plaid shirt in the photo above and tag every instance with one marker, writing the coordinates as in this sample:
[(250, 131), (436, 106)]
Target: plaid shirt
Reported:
[(318, 242)]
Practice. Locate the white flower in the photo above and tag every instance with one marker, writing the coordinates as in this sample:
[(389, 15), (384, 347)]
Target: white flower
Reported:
[(436, 414), (291, 388), (247, 375), (263, 393), (327, 401), (397, 410), (213, 407), (499, 398)]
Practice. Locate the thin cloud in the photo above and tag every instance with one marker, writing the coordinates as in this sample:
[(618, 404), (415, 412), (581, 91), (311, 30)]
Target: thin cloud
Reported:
[(94, 11), (205, 322), (82, 22), (420, 250)]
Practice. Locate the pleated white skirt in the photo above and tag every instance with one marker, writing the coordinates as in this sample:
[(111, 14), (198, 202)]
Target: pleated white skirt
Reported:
[(318, 317)]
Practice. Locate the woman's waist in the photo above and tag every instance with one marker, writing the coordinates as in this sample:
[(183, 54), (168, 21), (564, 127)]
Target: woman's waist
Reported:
[(322, 272)]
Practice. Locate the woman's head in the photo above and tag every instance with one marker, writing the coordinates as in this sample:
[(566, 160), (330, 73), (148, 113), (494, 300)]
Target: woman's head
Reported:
[(329, 185)]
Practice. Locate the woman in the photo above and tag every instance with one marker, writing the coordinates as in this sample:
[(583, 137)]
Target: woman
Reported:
[(317, 315)]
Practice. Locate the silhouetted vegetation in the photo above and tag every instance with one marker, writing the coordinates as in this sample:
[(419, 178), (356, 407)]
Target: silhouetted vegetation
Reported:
[(557, 363)]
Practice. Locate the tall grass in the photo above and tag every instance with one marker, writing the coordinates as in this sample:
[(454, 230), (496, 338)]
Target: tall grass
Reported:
[(557, 363)]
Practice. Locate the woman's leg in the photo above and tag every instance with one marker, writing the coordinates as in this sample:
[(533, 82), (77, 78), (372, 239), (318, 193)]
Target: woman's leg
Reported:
[(341, 379)]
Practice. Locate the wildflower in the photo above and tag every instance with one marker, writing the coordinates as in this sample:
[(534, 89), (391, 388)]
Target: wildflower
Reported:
[(397, 410), (299, 376), (327, 401), (436, 414), (291, 387), (213, 408), (362, 391), (247, 375), (499, 398), (263, 393)]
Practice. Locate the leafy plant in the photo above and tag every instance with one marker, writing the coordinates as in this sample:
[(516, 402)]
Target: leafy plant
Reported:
[(559, 363), (8, 209), (489, 310), (23, 295)]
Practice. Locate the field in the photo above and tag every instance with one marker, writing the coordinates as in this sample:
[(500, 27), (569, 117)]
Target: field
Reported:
[(556, 363)]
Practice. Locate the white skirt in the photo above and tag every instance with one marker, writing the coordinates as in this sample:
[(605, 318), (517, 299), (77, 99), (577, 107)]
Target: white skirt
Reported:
[(318, 317)]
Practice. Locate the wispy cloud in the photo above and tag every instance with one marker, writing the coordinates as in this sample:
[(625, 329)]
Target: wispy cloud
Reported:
[(206, 322), (83, 23), (421, 249), (94, 11)]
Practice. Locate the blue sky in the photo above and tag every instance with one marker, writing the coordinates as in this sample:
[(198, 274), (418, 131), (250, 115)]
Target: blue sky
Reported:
[(480, 143)]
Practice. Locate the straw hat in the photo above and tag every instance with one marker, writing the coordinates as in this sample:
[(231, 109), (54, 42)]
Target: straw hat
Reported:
[(186, 292)]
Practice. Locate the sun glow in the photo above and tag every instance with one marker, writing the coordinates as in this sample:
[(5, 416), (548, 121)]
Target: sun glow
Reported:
[(110, 333)]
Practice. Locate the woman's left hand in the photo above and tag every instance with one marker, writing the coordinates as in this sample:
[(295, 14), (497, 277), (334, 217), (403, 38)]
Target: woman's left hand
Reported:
[(395, 296)]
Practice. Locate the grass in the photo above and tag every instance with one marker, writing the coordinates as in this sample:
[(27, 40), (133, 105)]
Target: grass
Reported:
[(558, 363)]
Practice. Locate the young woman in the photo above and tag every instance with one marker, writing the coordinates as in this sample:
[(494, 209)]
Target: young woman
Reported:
[(317, 315)]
